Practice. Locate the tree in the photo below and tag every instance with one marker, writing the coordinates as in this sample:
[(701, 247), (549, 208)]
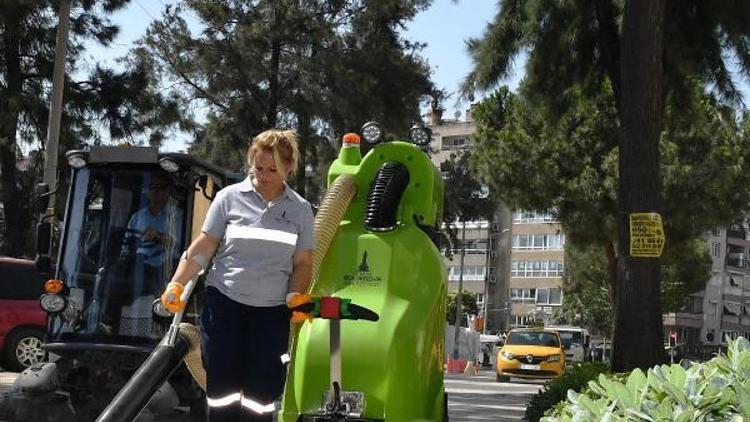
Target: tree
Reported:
[(579, 46), (321, 67), (120, 101), (468, 305)]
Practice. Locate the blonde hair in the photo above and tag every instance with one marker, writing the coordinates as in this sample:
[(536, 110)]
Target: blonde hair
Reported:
[(282, 144)]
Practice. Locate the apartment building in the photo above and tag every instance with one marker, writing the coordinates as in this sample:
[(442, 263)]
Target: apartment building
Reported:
[(722, 309), (486, 261), (537, 267)]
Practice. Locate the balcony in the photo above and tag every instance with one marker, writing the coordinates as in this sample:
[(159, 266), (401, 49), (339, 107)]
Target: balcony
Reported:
[(738, 261), (736, 233)]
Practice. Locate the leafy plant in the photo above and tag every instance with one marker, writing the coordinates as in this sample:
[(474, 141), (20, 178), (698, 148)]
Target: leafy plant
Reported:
[(575, 378), (715, 390)]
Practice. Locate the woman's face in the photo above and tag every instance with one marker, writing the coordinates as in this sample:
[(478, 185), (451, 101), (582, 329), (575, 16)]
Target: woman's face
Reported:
[(267, 174)]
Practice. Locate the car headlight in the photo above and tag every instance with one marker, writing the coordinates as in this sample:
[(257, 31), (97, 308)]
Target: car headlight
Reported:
[(372, 132), (507, 355), (52, 303), (420, 135), (554, 358)]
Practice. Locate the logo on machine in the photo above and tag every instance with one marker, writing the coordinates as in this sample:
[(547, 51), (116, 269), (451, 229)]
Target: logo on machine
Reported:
[(363, 277)]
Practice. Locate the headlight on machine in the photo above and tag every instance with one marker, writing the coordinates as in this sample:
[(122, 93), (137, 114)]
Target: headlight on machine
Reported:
[(554, 358), (52, 303), (420, 135), (372, 133), (507, 355)]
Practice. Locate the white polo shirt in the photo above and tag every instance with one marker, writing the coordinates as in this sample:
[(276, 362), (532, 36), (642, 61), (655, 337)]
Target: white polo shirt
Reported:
[(253, 264)]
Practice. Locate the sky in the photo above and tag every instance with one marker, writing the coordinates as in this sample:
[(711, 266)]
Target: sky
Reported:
[(444, 27)]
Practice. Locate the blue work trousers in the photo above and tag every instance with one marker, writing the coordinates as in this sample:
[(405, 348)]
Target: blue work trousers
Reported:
[(242, 348)]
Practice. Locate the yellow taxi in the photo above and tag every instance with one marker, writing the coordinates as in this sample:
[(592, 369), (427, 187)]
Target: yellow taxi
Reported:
[(530, 353)]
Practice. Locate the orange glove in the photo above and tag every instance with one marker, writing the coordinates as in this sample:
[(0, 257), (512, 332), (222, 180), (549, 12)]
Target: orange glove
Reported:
[(171, 297), (295, 299)]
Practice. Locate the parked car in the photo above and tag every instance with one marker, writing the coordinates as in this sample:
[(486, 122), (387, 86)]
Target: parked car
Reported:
[(22, 320), (531, 353)]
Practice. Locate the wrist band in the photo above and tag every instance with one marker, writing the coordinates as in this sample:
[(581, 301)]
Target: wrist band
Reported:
[(199, 259)]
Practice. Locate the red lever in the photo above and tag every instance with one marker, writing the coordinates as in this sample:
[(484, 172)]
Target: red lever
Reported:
[(330, 307)]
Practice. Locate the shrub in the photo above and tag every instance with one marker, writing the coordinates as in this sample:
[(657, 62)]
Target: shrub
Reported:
[(575, 378), (715, 390)]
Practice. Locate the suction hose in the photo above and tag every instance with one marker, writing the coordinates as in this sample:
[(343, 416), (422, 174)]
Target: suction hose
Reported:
[(331, 211), (384, 197)]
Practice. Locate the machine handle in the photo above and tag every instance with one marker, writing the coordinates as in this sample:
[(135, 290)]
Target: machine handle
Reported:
[(174, 328), (329, 307)]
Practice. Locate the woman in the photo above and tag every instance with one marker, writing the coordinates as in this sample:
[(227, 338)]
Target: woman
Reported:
[(261, 233)]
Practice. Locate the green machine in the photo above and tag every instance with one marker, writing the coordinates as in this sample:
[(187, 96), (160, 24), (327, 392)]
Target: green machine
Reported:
[(376, 247)]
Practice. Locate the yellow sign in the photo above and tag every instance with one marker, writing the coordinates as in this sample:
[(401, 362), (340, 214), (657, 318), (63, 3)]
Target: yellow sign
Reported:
[(646, 235)]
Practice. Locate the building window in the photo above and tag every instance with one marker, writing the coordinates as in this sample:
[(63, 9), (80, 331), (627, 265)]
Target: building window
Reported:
[(538, 269), (731, 308), (533, 217), (480, 298), (523, 295), (712, 306), (525, 242), (555, 296), (716, 248)]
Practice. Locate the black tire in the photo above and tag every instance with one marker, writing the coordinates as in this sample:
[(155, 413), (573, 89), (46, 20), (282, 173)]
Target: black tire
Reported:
[(503, 378), (23, 349)]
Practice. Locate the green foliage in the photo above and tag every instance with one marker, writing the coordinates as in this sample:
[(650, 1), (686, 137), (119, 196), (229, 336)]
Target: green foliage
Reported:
[(468, 307), (323, 68), (99, 103), (537, 161), (575, 378), (466, 199), (715, 390), (587, 300)]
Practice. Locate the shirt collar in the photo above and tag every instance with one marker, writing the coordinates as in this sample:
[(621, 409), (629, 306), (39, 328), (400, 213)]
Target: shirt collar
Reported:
[(247, 186)]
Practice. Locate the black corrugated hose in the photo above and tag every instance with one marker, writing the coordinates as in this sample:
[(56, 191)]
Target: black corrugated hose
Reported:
[(384, 197)]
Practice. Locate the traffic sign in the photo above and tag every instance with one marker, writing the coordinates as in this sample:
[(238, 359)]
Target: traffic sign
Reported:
[(646, 235)]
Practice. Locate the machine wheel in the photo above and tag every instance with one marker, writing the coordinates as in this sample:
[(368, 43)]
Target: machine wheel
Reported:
[(503, 378), (24, 349)]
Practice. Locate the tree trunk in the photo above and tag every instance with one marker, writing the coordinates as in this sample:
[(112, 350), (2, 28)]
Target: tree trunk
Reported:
[(638, 323), (10, 103), (303, 120)]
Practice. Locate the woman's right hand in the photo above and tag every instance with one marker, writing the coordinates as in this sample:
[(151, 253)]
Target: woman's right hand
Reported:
[(171, 297)]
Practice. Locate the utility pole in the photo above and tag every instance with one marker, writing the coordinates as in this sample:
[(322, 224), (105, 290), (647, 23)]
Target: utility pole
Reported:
[(55, 112), (459, 296)]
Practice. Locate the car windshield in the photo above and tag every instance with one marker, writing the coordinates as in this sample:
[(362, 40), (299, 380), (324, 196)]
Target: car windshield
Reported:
[(533, 338), (123, 238), (571, 337)]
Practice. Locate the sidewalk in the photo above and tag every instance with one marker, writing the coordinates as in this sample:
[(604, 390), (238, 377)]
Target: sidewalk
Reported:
[(6, 380)]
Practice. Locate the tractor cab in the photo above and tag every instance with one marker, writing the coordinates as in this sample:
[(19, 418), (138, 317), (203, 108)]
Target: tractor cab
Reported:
[(130, 214)]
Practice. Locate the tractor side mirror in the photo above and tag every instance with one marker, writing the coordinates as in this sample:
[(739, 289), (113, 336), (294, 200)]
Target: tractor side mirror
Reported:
[(42, 198), (43, 242)]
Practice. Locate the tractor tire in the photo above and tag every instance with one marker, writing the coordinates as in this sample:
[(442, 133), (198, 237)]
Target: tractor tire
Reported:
[(23, 349)]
